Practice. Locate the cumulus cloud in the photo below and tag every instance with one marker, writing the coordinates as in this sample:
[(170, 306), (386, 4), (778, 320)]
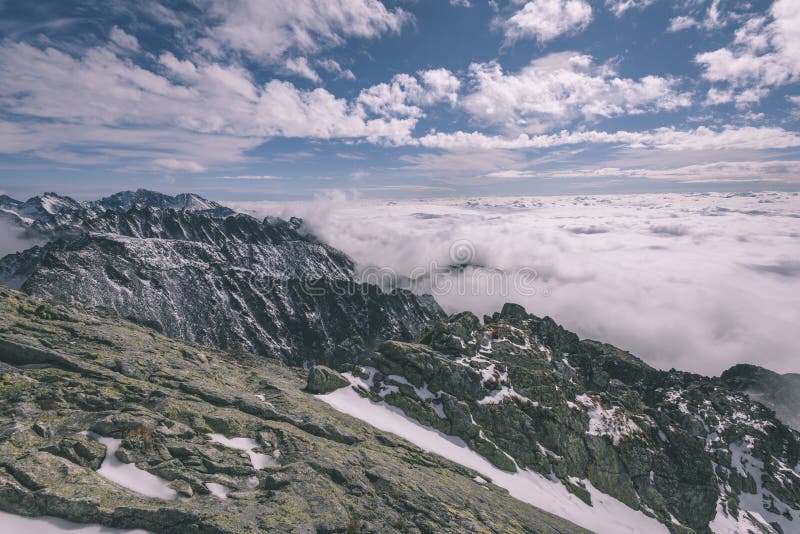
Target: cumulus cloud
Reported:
[(619, 7), (284, 111), (405, 94), (561, 87), (267, 31), (74, 100), (545, 20), (299, 67), (712, 20), (763, 54), (663, 279)]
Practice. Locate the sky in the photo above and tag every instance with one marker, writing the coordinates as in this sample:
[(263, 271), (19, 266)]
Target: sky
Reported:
[(250, 99)]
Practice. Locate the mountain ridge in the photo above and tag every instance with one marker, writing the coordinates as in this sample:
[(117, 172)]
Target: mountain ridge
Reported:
[(229, 282)]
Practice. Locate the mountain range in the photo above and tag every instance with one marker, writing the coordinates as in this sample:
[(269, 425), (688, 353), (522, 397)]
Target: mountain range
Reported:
[(157, 320), (231, 283)]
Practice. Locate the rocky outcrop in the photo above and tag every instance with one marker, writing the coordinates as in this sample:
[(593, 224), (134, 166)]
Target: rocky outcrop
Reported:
[(525, 393), (323, 380), (778, 392), (209, 424)]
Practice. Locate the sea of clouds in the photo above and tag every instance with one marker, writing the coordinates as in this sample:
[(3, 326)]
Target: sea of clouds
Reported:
[(697, 282), (12, 238)]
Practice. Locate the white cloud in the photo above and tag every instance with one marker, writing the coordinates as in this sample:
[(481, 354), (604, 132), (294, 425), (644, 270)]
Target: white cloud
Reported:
[(558, 88), (124, 40), (762, 55), (439, 85), (299, 67), (268, 30), (619, 7), (714, 19), (105, 98), (252, 177), (404, 95), (690, 301), (333, 66), (671, 139), (393, 98), (681, 22), (172, 164), (784, 171), (285, 111), (461, 3), (545, 20)]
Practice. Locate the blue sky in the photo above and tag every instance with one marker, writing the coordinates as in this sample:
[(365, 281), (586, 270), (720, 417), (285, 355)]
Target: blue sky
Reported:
[(250, 99)]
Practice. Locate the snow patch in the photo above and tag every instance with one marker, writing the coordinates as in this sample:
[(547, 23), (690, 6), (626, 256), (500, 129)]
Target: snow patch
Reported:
[(128, 475), (607, 422), (606, 516), (217, 490), (259, 461), (498, 396), (53, 525), (423, 393), (745, 463)]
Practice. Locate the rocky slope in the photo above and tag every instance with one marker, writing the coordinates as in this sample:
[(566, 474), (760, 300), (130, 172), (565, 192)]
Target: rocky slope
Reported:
[(232, 282), (526, 393), (779, 392), (86, 396)]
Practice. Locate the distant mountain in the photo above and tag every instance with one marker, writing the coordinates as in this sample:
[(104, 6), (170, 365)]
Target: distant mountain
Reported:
[(233, 282), (50, 212), (40, 212), (779, 392), (126, 200)]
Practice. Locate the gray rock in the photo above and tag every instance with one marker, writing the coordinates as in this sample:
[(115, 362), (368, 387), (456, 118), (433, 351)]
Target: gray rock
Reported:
[(323, 380)]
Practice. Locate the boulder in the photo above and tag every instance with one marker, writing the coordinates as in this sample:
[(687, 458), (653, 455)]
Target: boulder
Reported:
[(323, 380)]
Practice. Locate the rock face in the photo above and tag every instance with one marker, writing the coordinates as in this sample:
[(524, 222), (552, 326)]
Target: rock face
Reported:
[(233, 282), (776, 391), (524, 392), (323, 380), (64, 371)]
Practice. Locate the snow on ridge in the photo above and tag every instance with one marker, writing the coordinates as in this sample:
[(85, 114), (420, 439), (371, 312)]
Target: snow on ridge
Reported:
[(498, 396), (610, 422), (423, 393), (745, 463), (606, 516)]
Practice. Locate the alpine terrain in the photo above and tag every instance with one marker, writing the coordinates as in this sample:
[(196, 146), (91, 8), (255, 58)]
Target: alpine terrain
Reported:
[(171, 365)]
